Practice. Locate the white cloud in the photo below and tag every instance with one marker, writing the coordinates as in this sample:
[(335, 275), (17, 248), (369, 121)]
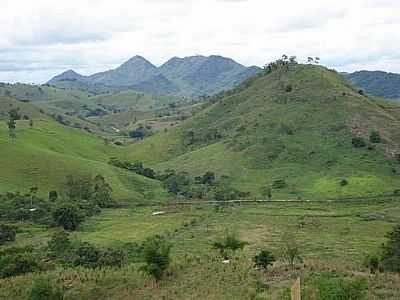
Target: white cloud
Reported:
[(41, 38)]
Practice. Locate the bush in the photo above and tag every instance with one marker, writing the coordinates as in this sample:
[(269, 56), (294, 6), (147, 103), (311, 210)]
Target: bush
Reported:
[(7, 233), (358, 142), (264, 259), (279, 184), (326, 287), (44, 289), (17, 261), (230, 242), (69, 216), (343, 182), (59, 243), (156, 256), (391, 253), (375, 137)]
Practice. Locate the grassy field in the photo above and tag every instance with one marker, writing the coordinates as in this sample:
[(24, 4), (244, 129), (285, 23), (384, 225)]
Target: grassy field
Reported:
[(334, 239)]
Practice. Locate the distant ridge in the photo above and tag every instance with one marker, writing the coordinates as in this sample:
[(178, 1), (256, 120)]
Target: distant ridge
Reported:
[(377, 83), (188, 76)]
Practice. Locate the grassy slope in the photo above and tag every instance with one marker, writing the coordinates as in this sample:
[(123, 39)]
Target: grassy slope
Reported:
[(303, 136), (44, 155)]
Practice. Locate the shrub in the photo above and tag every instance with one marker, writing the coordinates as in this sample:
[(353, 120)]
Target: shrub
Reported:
[(7, 233), (358, 142), (391, 253), (290, 249), (279, 184), (343, 182), (59, 243), (326, 287), (230, 242), (17, 261), (375, 137), (264, 259), (44, 289), (156, 256)]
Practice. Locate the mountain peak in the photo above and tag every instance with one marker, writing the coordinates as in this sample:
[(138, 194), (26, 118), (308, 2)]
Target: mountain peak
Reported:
[(137, 60)]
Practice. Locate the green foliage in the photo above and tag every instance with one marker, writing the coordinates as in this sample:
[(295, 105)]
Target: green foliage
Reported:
[(358, 142), (373, 263), (68, 215), (279, 184), (45, 289), (102, 192), (156, 251), (391, 251), (7, 233), (266, 192), (137, 167), (326, 287), (59, 244), (375, 137), (17, 261), (229, 243), (263, 259), (291, 249), (343, 182)]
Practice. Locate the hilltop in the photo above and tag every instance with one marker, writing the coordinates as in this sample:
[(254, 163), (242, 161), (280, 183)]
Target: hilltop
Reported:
[(295, 126), (189, 76)]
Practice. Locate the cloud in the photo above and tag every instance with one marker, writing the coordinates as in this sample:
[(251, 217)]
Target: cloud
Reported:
[(40, 38)]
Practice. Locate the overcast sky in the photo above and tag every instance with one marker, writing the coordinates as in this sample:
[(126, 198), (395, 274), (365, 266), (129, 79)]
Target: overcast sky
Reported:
[(41, 38)]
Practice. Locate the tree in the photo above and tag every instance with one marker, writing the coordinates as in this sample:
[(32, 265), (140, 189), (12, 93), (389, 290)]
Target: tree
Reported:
[(12, 126), (358, 142), (290, 249), (69, 216), (78, 188), (310, 60), (156, 256), (53, 196), (230, 242), (102, 192), (317, 59), (266, 192), (375, 137), (264, 259), (31, 123), (391, 251), (7, 233), (59, 243)]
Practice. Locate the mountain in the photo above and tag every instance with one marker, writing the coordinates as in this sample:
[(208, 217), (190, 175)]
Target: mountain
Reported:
[(377, 83), (295, 125), (189, 76), (44, 155)]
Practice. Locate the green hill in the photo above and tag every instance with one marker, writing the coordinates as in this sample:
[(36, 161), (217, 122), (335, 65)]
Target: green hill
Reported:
[(295, 124), (44, 155)]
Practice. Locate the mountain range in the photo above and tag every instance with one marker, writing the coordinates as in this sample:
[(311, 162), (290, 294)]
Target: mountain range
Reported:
[(378, 83), (190, 76)]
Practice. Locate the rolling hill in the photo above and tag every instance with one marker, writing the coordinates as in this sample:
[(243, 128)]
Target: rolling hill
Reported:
[(190, 76), (377, 83), (296, 125), (44, 155)]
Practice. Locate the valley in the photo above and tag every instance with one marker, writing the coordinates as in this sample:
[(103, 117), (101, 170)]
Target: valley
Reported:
[(126, 184)]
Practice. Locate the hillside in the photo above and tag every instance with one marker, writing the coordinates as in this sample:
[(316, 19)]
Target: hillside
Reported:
[(377, 83), (190, 76), (44, 155), (296, 125)]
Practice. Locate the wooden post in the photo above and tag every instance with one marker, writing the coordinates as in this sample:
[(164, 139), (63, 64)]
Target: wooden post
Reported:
[(296, 290)]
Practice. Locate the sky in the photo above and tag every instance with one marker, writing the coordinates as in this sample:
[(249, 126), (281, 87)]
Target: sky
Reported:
[(42, 38)]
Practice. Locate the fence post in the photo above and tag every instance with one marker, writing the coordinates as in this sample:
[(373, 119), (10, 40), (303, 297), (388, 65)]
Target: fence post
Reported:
[(296, 290)]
